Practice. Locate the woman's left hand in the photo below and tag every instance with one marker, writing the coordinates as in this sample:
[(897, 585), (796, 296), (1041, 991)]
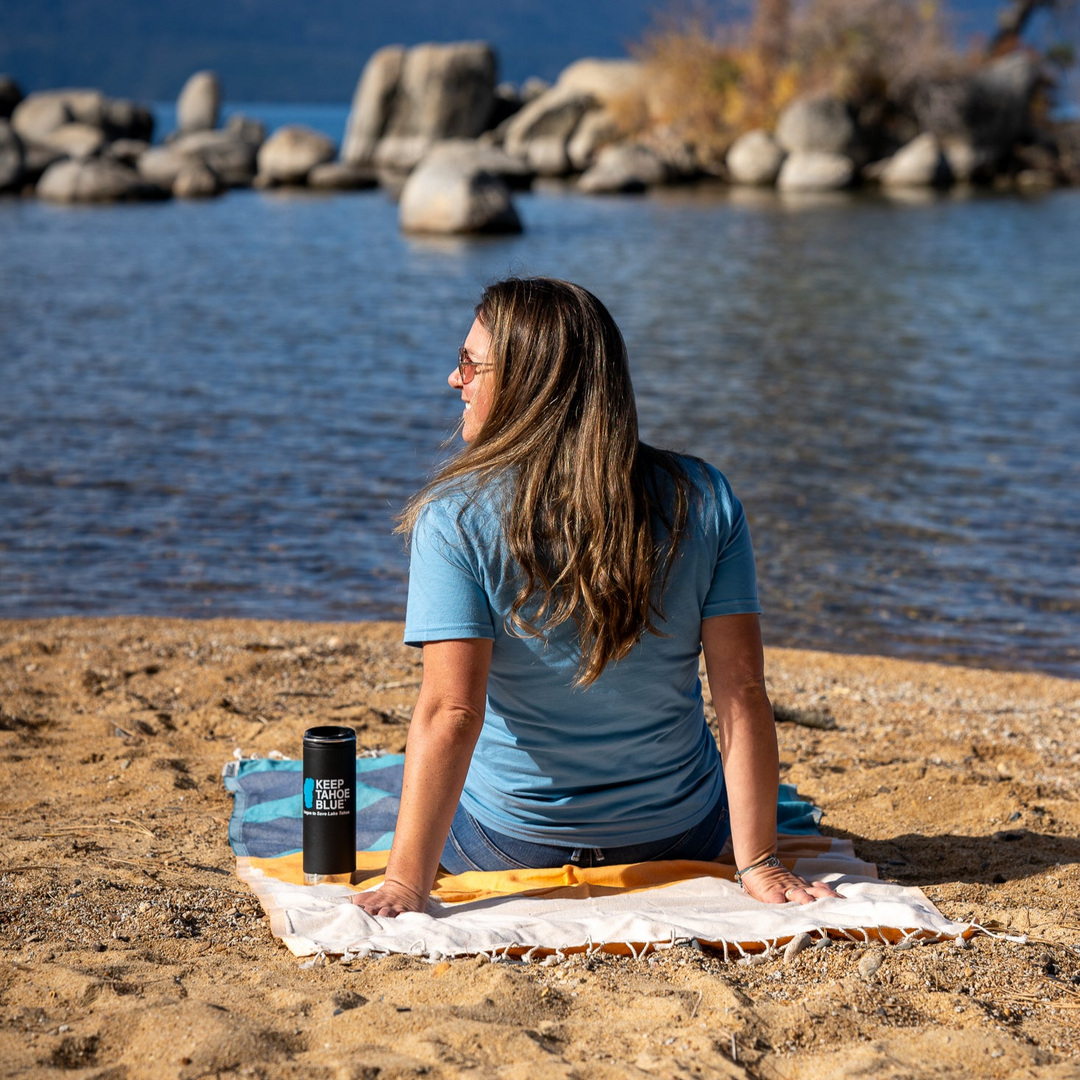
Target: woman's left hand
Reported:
[(779, 886), (390, 899)]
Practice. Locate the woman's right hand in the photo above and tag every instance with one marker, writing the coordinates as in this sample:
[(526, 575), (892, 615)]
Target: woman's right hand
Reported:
[(391, 899), (775, 885)]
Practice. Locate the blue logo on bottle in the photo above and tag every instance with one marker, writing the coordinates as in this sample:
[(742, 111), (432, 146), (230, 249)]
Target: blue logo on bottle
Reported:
[(309, 792)]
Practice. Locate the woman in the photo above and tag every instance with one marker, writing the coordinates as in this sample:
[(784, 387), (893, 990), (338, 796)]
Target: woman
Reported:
[(564, 578)]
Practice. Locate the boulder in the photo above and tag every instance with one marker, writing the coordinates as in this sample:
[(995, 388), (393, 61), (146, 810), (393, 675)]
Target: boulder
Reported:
[(231, 158), (337, 176), (10, 96), (624, 168), (597, 129), (444, 92), (95, 180), (40, 114), (443, 197), (811, 170), (75, 140), (371, 104), (918, 164), (967, 162), (199, 102), (291, 153), (246, 129), (541, 132), (473, 155), (12, 170), (610, 82), (161, 165), (407, 100), (196, 180), (755, 158), (821, 124)]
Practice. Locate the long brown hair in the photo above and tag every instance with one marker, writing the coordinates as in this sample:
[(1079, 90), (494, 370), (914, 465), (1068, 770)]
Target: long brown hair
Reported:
[(586, 491)]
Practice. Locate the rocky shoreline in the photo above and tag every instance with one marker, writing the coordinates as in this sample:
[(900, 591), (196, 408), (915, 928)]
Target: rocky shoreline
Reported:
[(431, 125)]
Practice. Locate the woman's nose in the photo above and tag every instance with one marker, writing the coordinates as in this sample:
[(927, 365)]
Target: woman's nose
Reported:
[(454, 379)]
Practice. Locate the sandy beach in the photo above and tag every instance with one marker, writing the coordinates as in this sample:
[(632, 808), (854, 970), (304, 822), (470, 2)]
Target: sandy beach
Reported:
[(128, 947)]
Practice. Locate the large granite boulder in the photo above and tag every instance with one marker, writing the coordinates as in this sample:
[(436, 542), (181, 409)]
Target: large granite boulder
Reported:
[(597, 129), (339, 176), (813, 170), (38, 115), (246, 129), (407, 100), (372, 105), (920, 163), (75, 140), (10, 96), (444, 197), (196, 180), (755, 159), (199, 103), (291, 153), (95, 180), (624, 168), (476, 155), (231, 159), (610, 82), (819, 123), (541, 132), (12, 171)]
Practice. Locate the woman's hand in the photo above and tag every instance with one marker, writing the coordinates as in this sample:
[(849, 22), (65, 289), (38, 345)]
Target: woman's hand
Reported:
[(390, 899), (779, 886)]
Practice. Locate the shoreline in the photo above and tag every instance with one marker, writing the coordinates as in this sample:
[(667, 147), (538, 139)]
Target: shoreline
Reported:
[(129, 945)]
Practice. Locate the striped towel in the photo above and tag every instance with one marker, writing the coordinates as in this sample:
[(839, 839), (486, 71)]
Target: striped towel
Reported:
[(629, 909)]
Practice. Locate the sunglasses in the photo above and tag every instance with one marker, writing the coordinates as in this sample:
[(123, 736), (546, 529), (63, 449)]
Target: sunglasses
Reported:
[(467, 367)]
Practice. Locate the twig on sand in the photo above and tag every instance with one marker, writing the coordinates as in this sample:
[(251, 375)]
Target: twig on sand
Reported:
[(113, 826), (26, 869), (399, 685)]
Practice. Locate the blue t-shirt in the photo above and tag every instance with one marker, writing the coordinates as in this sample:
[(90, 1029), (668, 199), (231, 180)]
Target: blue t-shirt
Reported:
[(625, 760)]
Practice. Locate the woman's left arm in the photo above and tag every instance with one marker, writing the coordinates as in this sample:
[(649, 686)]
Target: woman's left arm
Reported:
[(445, 725), (735, 665)]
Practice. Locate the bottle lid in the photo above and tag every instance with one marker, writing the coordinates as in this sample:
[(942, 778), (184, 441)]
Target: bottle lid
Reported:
[(323, 736)]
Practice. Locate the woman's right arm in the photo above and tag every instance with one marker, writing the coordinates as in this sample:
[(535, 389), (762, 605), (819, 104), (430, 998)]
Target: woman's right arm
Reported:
[(445, 726)]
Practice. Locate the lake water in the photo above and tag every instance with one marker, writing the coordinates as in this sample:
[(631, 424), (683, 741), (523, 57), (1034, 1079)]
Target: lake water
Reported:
[(216, 409)]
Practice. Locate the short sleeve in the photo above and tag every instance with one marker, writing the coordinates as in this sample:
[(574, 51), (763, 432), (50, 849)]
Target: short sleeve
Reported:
[(733, 590), (447, 600)]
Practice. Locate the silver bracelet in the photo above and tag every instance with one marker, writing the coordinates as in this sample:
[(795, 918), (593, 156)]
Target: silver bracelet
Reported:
[(771, 861)]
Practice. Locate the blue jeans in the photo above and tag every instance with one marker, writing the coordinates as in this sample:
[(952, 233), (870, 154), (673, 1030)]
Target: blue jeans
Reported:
[(472, 846)]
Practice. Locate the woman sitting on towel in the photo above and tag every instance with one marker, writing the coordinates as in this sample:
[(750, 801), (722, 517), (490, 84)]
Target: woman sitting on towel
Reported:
[(564, 579)]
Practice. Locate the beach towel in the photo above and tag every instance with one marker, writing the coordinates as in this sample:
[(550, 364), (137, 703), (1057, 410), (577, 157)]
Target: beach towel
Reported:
[(535, 914)]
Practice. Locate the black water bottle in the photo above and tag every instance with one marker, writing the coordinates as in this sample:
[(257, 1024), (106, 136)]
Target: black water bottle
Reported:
[(329, 802)]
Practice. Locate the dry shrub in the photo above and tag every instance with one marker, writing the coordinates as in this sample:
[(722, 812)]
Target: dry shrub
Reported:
[(707, 83), (858, 49), (711, 81)]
